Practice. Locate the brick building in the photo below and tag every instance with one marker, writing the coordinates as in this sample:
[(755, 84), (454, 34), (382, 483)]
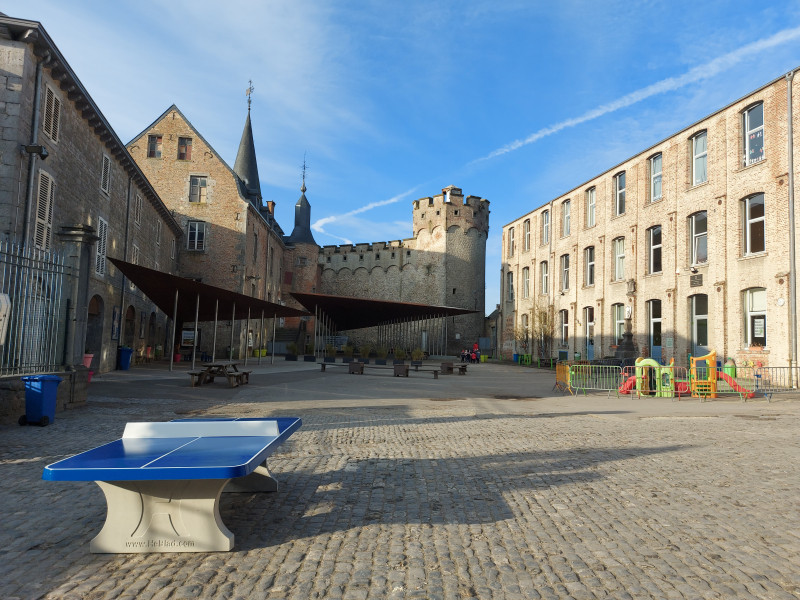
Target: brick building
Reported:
[(691, 236), (231, 239)]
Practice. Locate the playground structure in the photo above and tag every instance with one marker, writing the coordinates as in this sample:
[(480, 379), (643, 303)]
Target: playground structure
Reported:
[(704, 378)]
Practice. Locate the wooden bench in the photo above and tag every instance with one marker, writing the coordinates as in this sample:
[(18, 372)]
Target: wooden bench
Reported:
[(244, 376), (447, 368), (190, 462), (462, 369), (198, 377)]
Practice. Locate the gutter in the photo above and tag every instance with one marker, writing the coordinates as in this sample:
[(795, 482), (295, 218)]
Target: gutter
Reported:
[(792, 259)]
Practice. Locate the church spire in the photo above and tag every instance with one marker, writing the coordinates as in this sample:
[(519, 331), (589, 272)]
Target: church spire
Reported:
[(301, 234), (246, 166)]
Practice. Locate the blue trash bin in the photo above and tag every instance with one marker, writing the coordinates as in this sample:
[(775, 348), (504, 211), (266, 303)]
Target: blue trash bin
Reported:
[(125, 354), (40, 399)]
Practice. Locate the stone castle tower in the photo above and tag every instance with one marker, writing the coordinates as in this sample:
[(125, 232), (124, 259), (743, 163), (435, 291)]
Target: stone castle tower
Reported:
[(442, 264)]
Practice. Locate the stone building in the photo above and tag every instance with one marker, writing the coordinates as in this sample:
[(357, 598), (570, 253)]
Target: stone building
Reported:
[(230, 238), (442, 264), (69, 188), (691, 236)]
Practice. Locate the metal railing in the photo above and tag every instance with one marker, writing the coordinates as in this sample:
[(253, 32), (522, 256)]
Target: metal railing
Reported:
[(675, 381), (34, 282)]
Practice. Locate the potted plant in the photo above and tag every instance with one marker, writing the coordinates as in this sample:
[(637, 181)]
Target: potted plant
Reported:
[(87, 358), (365, 350), (417, 354), (291, 351), (330, 353), (309, 355), (381, 352), (399, 356), (348, 353)]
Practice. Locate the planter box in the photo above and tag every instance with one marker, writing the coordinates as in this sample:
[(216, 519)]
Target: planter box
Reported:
[(400, 370), (347, 359), (380, 361), (356, 368), (364, 360), (416, 363), (329, 359), (291, 357), (309, 358), (397, 361)]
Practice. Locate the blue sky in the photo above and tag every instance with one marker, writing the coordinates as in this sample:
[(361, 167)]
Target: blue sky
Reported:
[(513, 101)]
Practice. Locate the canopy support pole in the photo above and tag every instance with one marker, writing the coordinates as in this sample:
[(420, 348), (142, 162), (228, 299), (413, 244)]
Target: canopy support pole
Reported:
[(196, 316), (247, 337), (233, 319), (261, 338), (214, 345), (174, 329), (274, 324)]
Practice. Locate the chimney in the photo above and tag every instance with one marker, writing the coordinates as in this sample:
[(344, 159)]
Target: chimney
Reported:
[(271, 207)]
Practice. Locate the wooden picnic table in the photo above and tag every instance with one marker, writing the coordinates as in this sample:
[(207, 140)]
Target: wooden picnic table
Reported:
[(229, 370)]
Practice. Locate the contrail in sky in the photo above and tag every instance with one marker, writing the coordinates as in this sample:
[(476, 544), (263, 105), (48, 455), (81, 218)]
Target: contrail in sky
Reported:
[(319, 225), (699, 73)]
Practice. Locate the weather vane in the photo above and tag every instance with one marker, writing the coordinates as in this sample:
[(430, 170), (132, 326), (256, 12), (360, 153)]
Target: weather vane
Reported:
[(249, 93), (304, 171)]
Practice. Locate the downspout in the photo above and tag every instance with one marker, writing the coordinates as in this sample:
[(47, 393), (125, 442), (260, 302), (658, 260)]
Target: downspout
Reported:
[(124, 279), (37, 104), (792, 259)]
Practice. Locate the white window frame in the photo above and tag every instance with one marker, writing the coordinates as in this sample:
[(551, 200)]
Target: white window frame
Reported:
[(751, 313), (696, 237), (200, 231), (619, 258), (656, 169), (653, 247), (51, 123), (591, 203), (750, 221), (544, 276), (526, 235), (526, 282), (699, 157), (511, 241), (564, 272), (43, 230), (618, 318), (563, 315), (588, 257), (199, 182), (752, 133), (100, 247), (619, 194), (565, 218), (105, 174), (509, 287), (546, 227)]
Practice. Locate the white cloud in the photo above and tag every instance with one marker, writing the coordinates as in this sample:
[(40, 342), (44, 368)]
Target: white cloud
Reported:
[(699, 73)]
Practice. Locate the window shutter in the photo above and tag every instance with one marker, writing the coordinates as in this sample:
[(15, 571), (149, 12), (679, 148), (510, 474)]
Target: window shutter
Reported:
[(44, 212), (100, 248), (105, 178), (52, 114)]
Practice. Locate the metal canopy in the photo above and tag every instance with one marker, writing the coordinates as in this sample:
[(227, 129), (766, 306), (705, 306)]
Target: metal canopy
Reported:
[(355, 313), (161, 288)]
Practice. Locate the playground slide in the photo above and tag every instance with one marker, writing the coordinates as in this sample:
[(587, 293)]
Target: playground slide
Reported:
[(732, 382), (629, 384)]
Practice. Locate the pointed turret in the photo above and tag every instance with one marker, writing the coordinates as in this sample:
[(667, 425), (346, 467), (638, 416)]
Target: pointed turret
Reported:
[(301, 234), (245, 166)]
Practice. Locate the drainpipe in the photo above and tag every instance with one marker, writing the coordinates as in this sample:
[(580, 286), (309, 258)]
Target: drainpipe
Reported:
[(121, 341), (792, 260), (37, 103)]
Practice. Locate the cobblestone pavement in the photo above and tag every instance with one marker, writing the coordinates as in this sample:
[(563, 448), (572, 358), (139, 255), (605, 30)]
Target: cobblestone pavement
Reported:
[(484, 486)]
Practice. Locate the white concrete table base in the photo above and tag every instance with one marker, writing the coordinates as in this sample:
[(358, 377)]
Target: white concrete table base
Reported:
[(163, 516)]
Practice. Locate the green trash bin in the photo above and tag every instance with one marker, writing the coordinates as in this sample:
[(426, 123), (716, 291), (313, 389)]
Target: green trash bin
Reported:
[(729, 368)]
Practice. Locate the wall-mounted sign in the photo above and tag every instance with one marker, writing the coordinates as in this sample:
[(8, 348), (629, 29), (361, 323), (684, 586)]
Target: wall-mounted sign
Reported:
[(695, 280)]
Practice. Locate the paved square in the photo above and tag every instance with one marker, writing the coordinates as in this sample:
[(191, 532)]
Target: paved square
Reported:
[(483, 486)]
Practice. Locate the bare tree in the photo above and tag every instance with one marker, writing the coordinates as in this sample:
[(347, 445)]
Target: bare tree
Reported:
[(543, 327)]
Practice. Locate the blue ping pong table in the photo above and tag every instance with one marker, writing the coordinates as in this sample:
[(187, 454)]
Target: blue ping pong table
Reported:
[(162, 481)]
